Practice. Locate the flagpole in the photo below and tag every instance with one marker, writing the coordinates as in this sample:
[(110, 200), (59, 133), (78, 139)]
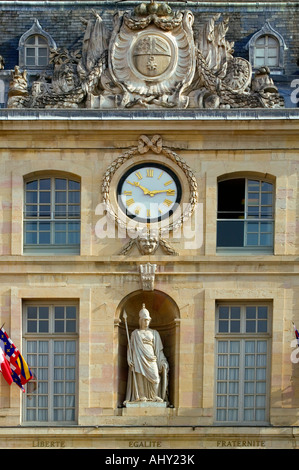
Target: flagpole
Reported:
[(130, 355)]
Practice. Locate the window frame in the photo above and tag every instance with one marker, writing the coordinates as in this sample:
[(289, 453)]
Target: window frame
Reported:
[(50, 337), (247, 248), (51, 247), (242, 337)]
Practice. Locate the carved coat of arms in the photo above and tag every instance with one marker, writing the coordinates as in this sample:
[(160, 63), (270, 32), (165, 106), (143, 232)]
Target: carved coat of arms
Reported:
[(152, 58)]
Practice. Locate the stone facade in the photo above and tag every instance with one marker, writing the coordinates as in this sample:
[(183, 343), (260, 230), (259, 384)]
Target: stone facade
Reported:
[(189, 277)]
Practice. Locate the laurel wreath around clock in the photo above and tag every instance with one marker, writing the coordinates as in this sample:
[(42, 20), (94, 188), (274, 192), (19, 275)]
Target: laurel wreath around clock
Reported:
[(154, 144)]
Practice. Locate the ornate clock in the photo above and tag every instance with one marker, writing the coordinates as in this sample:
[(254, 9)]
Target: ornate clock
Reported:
[(149, 192), (150, 195)]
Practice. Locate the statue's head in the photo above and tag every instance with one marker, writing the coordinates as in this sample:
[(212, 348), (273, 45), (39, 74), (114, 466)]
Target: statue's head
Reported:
[(144, 315)]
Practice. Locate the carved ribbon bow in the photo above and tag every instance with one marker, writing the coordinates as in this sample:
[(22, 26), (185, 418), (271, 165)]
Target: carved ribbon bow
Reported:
[(145, 144)]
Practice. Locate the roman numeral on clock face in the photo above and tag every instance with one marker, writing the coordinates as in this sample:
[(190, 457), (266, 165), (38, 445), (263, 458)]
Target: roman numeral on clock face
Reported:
[(167, 202), (149, 173), (130, 202)]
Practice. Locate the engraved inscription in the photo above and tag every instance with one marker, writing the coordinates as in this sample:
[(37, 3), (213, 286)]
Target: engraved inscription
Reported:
[(240, 443), (49, 443), (145, 443)]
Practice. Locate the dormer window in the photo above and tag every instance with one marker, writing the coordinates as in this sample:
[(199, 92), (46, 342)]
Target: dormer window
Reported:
[(266, 49), (34, 47)]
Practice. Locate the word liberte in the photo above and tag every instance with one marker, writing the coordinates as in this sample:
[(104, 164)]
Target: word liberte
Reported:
[(189, 229)]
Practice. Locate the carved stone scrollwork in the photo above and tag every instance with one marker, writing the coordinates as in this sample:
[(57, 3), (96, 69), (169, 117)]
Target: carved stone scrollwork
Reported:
[(153, 59)]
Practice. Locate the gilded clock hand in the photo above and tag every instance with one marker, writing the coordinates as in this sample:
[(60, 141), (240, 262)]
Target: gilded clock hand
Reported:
[(145, 190), (169, 192)]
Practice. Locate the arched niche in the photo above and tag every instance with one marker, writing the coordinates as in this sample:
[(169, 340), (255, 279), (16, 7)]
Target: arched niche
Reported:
[(165, 319)]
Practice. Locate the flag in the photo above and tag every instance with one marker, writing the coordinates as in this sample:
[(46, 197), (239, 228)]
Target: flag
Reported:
[(296, 334), (4, 367), (20, 371)]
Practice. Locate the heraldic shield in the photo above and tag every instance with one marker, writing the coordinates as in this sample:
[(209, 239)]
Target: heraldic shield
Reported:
[(152, 59)]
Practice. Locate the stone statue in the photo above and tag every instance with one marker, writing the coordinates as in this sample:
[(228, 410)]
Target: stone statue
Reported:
[(262, 83), (148, 366), (18, 89)]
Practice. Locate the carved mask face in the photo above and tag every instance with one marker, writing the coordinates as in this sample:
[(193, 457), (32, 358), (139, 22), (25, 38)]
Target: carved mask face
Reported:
[(147, 244)]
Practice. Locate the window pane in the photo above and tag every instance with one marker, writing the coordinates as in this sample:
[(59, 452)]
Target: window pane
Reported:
[(31, 40), (41, 40), (223, 326), (31, 197), (42, 61), (44, 197), (231, 197), (59, 312), (60, 183), (45, 184), (30, 60), (31, 185), (74, 197), (42, 52), (230, 234), (235, 312), (44, 238), (235, 326), (60, 197), (30, 52), (223, 312), (31, 238), (74, 185)]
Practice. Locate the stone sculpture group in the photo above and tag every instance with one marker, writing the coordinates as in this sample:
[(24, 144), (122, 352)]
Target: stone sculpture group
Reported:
[(152, 59)]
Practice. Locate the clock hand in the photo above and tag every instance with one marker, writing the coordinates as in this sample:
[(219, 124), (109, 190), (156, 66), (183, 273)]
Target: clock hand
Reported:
[(145, 190), (169, 192)]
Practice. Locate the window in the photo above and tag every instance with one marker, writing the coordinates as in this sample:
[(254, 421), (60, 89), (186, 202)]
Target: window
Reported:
[(266, 52), (34, 47), (51, 346), (267, 49), (245, 215), (242, 372), (52, 215), (36, 51)]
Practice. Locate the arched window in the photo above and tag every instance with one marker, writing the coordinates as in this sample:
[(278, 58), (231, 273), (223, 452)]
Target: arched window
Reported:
[(245, 217), (266, 51), (52, 215), (36, 51), (34, 47)]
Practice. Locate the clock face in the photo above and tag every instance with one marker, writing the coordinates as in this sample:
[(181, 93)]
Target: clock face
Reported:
[(149, 192)]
